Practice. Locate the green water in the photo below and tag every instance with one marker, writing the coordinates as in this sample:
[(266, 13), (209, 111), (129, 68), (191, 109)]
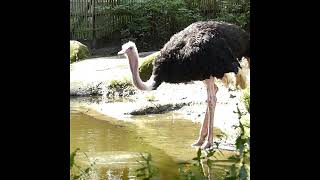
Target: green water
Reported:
[(115, 146)]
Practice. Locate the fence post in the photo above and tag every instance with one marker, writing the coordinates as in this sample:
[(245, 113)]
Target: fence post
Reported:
[(93, 45), (215, 8)]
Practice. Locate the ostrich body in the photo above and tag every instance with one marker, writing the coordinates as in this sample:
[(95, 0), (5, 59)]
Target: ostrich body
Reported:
[(201, 52)]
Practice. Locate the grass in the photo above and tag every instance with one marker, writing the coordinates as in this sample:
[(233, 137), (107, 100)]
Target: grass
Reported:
[(120, 88)]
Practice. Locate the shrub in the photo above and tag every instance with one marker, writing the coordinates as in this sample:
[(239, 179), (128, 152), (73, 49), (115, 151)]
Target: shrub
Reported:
[(154, 22), (236, 12)]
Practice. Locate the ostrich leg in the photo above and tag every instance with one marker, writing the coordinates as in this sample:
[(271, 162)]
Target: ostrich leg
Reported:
[(212, 90), (204, 130)]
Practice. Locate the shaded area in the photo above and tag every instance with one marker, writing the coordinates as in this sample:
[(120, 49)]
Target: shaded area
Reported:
[(158, 109)]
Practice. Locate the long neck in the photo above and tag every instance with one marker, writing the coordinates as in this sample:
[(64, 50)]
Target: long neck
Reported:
[(133, 61)]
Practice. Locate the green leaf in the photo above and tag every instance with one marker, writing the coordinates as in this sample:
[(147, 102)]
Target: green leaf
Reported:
[(196, 158), (139, 175), (211, 153), (199, 153), (72, 157), (143, 168)]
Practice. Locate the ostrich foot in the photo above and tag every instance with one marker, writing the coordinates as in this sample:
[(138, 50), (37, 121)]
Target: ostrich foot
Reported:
[(199, 142), (207, 145)]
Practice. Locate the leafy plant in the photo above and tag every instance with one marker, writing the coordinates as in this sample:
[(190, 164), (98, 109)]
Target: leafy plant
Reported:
[(148, 170), (77, 172), (72, 157), (241, 169), (235, 11), (154, 22), (194, 169)]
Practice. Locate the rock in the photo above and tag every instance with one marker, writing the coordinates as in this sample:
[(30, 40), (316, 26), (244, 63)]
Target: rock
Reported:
[(78, 51), (158, 109), (146, 66)]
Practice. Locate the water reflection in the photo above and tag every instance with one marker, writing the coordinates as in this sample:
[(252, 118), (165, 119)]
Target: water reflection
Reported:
[(117, 149)]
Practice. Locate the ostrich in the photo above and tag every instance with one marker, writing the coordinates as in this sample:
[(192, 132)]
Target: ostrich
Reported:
[(203, 51)]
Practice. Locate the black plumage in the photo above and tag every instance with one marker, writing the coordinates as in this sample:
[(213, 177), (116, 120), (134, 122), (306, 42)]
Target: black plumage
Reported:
[(201, 50)]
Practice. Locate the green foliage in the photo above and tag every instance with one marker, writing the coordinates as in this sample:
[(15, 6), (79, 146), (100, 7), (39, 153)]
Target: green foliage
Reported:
[(78, 51), (194, 169), (72, 157), (241, 169), (235, 11), (154, 22), (77, 172), (150, 23), (147, 169)]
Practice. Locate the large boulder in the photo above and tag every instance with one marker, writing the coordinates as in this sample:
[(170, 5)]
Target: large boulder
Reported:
[(145, 69), (78, 51)]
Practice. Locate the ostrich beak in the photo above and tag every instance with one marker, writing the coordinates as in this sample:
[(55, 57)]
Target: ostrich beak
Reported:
[(121, 52)]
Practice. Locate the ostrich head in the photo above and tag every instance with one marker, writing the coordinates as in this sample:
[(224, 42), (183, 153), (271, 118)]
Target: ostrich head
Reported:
[(128, 49)]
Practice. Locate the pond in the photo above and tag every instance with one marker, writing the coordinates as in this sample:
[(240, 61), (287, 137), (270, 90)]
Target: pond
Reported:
[(117, 147)]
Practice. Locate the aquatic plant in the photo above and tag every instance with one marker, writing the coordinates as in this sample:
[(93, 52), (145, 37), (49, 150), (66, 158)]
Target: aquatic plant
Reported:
[(77, 172), (200, 167), (148, 170)]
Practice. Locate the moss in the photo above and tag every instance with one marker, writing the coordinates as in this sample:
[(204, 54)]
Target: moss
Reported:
[(78, 51), (120, 88), (119, 84), (145, 69)]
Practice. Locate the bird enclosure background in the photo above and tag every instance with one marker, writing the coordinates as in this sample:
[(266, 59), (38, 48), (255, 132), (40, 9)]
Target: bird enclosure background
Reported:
[(150, 23), (120, 132)]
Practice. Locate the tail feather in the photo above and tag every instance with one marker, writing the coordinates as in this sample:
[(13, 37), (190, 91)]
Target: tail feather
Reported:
[(241, 79)]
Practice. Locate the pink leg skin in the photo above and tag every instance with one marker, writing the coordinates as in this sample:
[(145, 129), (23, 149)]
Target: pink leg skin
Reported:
[(212, 90), (204, 131)]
